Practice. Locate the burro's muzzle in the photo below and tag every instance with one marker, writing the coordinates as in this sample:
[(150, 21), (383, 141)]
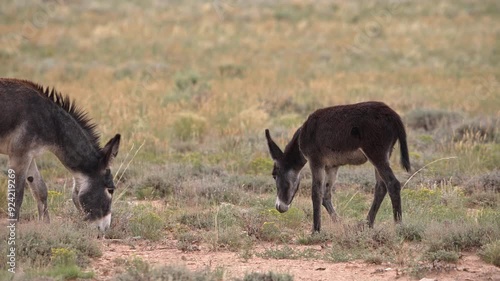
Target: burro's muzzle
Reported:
[(280, 206), (104, 222)]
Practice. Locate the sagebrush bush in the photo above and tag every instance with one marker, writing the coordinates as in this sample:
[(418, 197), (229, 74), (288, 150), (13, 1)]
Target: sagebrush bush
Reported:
[(411, 231), (478, 131), (37, 244), (186, 80), (145, 222), (455, 236), (189, 126), (270, 276), (490, 253), (231, 70), (430, 119), (442, 255), (486, 182), (139, 270), (141, 220)]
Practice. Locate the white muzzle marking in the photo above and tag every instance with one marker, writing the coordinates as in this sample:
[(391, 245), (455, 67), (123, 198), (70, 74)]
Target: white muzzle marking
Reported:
[(104, 223), (280, 206)]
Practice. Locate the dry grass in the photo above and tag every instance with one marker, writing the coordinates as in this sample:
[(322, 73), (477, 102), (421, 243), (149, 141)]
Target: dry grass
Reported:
[(198, 84)]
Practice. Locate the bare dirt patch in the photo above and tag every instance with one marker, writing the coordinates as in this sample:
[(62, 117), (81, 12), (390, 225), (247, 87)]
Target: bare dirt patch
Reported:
[(469, 267)]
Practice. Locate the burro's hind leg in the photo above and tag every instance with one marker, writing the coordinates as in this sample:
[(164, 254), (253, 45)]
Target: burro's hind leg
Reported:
[(331, 176), (394, 189), (386, 182), (39, 190), (379, 194)]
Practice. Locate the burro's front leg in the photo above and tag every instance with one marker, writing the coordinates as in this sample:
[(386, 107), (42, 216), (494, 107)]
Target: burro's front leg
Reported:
[(318, 186), (18, 167)]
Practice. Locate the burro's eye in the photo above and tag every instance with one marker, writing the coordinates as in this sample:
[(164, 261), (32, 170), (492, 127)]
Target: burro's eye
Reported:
[(275, 172), (110, 190)]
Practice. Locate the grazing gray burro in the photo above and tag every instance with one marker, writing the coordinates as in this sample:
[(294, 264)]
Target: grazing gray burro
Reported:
[(34, 119), (336, 136)]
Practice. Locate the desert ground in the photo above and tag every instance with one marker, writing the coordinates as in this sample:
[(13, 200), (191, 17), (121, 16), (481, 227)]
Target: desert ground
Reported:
[(191, 87)]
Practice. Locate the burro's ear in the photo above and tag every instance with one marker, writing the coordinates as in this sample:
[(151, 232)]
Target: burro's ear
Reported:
[(110, 151), (274, 149)]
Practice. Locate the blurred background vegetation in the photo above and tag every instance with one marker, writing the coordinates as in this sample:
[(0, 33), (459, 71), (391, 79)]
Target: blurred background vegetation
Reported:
[(191, 86)]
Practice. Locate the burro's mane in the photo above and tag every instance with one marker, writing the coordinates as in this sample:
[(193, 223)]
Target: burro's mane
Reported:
[(68, 105)]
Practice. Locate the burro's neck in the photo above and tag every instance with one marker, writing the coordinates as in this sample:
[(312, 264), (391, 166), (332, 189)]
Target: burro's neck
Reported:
[(73, 146)]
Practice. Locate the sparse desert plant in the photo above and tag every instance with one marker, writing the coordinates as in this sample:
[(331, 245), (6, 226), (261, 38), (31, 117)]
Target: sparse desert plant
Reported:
[(484, 199), (146, 223), (141, 220), (455, 236), (186, 80), (430, 119), (442, 255), (60, 243), (315, 238), (410, 231), (198, 220), (189, 126), (355, 241), (270, 276), (231, 238), (260, 165), (188, 241), (139, 270), (486, 182), (491, 253), (199, 86), (231, 70), (477, 131), (280, 253)]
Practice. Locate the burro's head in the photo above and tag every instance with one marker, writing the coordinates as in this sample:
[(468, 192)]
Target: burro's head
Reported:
[(286, 171), (93, 191)]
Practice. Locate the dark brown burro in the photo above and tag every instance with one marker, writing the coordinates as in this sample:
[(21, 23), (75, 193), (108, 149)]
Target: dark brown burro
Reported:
[(34, 119), (336, 136)]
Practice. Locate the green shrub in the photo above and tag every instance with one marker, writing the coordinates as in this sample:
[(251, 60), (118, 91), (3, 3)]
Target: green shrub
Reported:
[(188, 242), (186, 80), (139, 270), (490, 253), (280, 253), (260, 165), (67, 272), (430, 119), (198, 220), (189, 126), (489, 182), (477, 131), (231, 70), (146, 223), (410, 232), (442, 255), (315, 238), (232, 239), (270, 276), (484, 199), (454, 236)]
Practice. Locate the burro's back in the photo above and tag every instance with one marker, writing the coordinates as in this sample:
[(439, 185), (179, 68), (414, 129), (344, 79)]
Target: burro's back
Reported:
[(34, 119)]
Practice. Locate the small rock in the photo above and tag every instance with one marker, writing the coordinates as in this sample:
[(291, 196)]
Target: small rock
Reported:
[(427, 279)]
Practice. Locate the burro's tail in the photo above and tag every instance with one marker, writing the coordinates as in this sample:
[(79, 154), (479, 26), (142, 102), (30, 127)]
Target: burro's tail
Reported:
[(403, 146)]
